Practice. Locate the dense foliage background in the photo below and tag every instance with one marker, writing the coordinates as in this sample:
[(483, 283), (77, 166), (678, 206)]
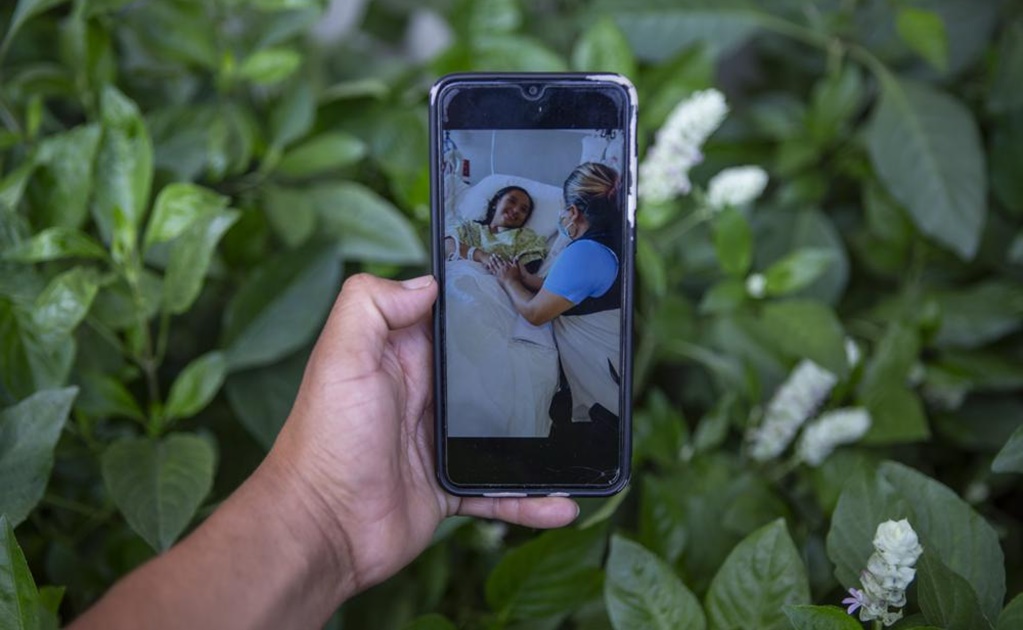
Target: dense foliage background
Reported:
[(184, 185)]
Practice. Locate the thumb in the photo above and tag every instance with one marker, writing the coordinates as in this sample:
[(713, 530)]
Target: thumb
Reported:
[(366, 311)]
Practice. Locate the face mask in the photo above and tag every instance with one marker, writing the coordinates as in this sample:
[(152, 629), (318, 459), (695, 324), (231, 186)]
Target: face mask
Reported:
[(562, 229)]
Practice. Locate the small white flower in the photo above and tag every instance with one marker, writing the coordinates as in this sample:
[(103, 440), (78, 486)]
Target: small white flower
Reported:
[(830, 430), (756, 285), (736, 186), (889, 572), (664, 172), (797, 398), (852, 352)]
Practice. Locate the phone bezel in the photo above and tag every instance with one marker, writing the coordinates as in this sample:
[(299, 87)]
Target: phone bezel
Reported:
[(496, 448)]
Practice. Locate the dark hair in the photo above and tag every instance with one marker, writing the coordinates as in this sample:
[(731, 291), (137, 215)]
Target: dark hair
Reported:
[(594, 189), (492, 204)]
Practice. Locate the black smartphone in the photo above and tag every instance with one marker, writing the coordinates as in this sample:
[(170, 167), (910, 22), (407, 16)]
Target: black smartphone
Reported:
[(533, 232)]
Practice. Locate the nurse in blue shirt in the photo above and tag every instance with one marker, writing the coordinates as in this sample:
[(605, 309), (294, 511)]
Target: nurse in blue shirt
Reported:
[(581, 294)]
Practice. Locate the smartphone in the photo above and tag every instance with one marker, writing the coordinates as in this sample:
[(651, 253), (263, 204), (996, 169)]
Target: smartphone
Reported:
[(533, 238)]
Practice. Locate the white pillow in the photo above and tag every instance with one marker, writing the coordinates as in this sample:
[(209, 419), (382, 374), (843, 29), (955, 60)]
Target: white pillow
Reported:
[(472, 203)]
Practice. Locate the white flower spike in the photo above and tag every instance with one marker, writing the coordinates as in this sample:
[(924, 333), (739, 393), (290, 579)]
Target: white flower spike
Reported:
[(830, 430), (735, 187), (797, 398), (664, 173), (889, 572)]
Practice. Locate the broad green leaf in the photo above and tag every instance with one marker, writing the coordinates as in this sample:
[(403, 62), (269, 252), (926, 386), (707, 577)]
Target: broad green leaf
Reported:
[(323, 153), (1004, 94), (270, 65), (516, 53), (49, 607), (602, 509), (658, 30), (603, 48), (158, 485), (190, 256), (12, 186), (280, 306), (63, 181), (821, 618), (662, 518), (124, 172), (196, 386), (30, 361), (28, 434), (1006, 154), (54, 244), (797, 270), (19, 599), (367, 227), (896, 412), (652, 270), (964, 541), (64, 302), (291, 213), (399, 140), (925, 147), (641, 591), (778, 232), (25, 11), (924, 32), (806, 329), (282, 5), (833, 102), (867, 500), (294, 114), (762, 574), (1012, 616), (724, 297), (116, 304), (946, 599), (175, 32), (176, 208), (979, 314), (733, 241), (549, 575), (104, 396), (497, 17), (1010, 458)]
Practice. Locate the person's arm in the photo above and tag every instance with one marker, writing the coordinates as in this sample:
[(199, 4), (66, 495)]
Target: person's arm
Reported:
[(346, 497), (538, 308)]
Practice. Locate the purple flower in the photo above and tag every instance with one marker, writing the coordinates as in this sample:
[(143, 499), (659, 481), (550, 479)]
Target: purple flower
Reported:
[(855, 601)]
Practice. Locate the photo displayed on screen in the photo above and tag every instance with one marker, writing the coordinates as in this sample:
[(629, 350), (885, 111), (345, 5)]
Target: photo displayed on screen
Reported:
[(532, 280)]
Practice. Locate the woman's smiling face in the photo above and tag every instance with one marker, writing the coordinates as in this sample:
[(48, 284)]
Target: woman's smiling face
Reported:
[(513, 210)]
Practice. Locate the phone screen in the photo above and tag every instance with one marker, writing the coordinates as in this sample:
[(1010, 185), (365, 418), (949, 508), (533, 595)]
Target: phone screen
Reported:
[(533, 246)]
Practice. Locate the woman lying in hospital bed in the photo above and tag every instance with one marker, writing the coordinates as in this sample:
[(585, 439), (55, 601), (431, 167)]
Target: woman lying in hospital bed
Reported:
[(501, 371)]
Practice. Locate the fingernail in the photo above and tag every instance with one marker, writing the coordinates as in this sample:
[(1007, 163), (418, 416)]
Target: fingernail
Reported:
[(418, 283)]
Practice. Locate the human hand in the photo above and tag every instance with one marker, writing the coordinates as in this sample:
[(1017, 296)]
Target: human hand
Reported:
[(358, 445), (506, 271)]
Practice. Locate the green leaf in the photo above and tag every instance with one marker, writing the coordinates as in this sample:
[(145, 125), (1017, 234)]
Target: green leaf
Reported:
[(367, 226), (925, 147), (50, 598), (29, 432), (549, 575), (662, 518), (12, 186), (270, 65), (1012, 616), (762, 574), (158, 485), (641, 591), (325, 152), (1004, 94), (603, 48), (190, 257), (778, 232), (196, 386), (293, 116), (175, 32), (652, 270), (25, 11), (658, 30), (497, 17), (733, 240), (104, 396), (1006, 153), (946, 599), (262, 397), (124, 172), (807, 329), (980, 314), (516, 53), (1010, 458), (64, 302), (798, 270), (291, 213), (432, 621), (54, 244), (176, 208), (896, 412), (30, 361), (63, 181), (821, 618), (924, 32), (724, 297), (19, 599), (280, 306)]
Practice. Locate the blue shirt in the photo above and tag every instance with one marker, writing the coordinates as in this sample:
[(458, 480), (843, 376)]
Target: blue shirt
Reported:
[(584, 269)]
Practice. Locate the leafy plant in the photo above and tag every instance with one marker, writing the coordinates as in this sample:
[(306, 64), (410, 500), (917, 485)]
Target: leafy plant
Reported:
[(183, 187)]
